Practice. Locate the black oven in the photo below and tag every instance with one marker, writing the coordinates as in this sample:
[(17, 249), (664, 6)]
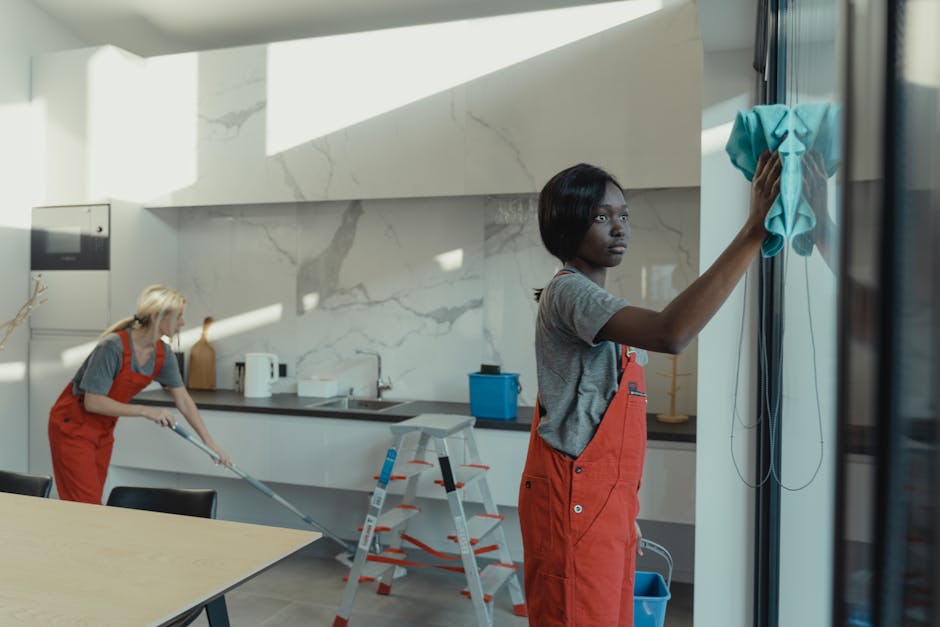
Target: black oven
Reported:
[(71, 238)]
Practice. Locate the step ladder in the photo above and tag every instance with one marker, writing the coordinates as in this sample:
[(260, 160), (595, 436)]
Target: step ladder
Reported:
[(481, 585)]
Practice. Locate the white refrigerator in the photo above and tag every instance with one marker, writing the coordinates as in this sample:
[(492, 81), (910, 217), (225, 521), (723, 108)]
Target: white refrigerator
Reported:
[(63, 331), (94, 258), (70, 250)]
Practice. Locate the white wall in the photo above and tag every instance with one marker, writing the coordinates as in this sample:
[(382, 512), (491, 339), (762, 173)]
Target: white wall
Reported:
[(24, 31), (724, 504)]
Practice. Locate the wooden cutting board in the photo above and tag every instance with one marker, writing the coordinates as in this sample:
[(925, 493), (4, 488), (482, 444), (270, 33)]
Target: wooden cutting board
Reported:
[(202, 362)]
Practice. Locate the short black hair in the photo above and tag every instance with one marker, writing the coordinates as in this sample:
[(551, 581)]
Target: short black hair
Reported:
[(566, 205)]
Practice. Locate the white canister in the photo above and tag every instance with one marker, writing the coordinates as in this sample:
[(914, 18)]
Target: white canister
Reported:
[(317, 386), (261, 370)]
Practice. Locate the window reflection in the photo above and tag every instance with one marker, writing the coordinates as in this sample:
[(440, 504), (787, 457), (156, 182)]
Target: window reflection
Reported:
[(886, 546)]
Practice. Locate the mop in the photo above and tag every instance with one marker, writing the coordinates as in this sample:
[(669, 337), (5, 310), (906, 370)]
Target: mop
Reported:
[(344, 558)]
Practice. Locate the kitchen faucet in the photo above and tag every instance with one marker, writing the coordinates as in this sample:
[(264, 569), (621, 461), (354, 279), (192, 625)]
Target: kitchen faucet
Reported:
[(380, 386)]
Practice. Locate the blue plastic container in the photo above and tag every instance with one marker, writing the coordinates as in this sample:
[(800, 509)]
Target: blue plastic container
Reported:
[(650, 595), (651, 591), (493, 396)]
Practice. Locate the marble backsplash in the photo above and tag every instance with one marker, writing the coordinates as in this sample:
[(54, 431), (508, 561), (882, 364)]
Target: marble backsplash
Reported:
[(436, 285)]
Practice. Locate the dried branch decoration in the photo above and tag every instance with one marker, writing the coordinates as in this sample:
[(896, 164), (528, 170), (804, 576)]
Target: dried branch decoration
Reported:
[(28, 307)]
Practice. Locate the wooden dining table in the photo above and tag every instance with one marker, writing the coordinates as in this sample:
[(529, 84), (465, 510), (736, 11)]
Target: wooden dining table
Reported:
[(65, 563)]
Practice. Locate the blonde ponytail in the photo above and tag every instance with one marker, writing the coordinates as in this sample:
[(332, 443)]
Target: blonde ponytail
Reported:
[(153, 304), (120, 325)]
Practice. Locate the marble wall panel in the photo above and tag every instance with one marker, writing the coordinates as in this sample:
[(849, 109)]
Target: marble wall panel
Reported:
[(242, 114), (347, 117), (436, 285), (624, 99)]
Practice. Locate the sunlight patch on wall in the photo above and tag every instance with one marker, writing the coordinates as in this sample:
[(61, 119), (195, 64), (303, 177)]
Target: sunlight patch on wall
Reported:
[(37, 153), (715, 138), (116, 82), (16, 158), (451, 260), (13, 372), (221, 328), (310, 301), (73, 357), (717, 122), (170, 161), (921, 19), (351, 78), (235, 325)]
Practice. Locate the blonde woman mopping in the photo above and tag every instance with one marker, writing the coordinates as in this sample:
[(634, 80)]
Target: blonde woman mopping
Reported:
[(130, 354)]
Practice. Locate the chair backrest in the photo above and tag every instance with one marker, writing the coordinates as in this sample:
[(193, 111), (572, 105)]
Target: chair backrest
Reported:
[(29, 485), (200, 503)]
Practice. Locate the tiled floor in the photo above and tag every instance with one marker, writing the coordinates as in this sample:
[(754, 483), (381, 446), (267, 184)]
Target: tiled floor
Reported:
[(305, 589)]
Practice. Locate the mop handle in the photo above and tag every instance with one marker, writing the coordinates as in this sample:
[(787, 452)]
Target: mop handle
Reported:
[(181, 430)]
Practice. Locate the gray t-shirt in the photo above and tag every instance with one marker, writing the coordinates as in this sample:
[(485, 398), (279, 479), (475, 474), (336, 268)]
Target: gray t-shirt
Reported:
[(577, 376), (99, 369)]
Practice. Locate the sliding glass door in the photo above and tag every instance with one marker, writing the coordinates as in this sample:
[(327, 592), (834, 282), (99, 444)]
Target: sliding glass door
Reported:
[(886, 556)]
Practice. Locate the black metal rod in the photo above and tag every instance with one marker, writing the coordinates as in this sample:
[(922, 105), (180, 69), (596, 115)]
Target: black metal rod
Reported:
[(769, 375), (840, 570), (888, 545)]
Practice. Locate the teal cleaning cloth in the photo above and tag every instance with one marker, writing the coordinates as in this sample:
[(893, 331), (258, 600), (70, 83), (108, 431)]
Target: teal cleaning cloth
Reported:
[(793, 131)]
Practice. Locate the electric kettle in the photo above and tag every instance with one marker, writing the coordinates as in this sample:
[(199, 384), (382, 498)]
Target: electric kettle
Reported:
[(261, 370)]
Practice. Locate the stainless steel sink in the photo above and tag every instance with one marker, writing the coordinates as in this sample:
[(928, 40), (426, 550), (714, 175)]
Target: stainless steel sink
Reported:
[(362, 404)]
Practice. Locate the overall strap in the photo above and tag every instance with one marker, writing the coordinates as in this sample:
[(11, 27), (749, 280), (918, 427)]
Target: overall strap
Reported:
[(158, 359), (126, 356)]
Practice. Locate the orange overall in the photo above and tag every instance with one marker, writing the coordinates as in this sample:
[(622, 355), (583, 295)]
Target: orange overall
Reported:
[(81, 441), (577, 516)]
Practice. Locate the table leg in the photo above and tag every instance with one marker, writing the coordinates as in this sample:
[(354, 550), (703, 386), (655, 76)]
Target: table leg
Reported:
[(217, 613)]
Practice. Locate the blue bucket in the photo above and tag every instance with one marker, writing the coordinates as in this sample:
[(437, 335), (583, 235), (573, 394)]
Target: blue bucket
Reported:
[(651, 591), (494, 396)]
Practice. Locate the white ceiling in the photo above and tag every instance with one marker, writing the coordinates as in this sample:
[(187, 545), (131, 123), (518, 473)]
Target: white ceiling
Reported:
[(154, 27)]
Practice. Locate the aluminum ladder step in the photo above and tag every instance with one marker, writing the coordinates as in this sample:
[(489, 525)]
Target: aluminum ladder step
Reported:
[(478, 526), (492, 579), (373, 570), (466, 474), (395, 517), (407, 470), (434, 425)]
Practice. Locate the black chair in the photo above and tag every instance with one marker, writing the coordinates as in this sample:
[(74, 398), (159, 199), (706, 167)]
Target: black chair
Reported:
[(199, 503), (27, 485)]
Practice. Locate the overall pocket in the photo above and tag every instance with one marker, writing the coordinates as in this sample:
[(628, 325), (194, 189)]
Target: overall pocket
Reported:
[(535, 514), (66, 424)]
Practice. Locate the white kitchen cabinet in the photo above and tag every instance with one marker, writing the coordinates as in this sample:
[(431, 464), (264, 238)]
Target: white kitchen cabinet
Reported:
[(142, 445), (345, 454), (89, 105), (252, 124), (328, 452), (326, 467), (667, 492)]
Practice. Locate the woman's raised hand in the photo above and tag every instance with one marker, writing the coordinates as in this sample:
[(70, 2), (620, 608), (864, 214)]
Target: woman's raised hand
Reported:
[(765, 186)]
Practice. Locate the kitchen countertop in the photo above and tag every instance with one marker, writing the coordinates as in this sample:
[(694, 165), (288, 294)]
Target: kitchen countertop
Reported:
[(293, 405)]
